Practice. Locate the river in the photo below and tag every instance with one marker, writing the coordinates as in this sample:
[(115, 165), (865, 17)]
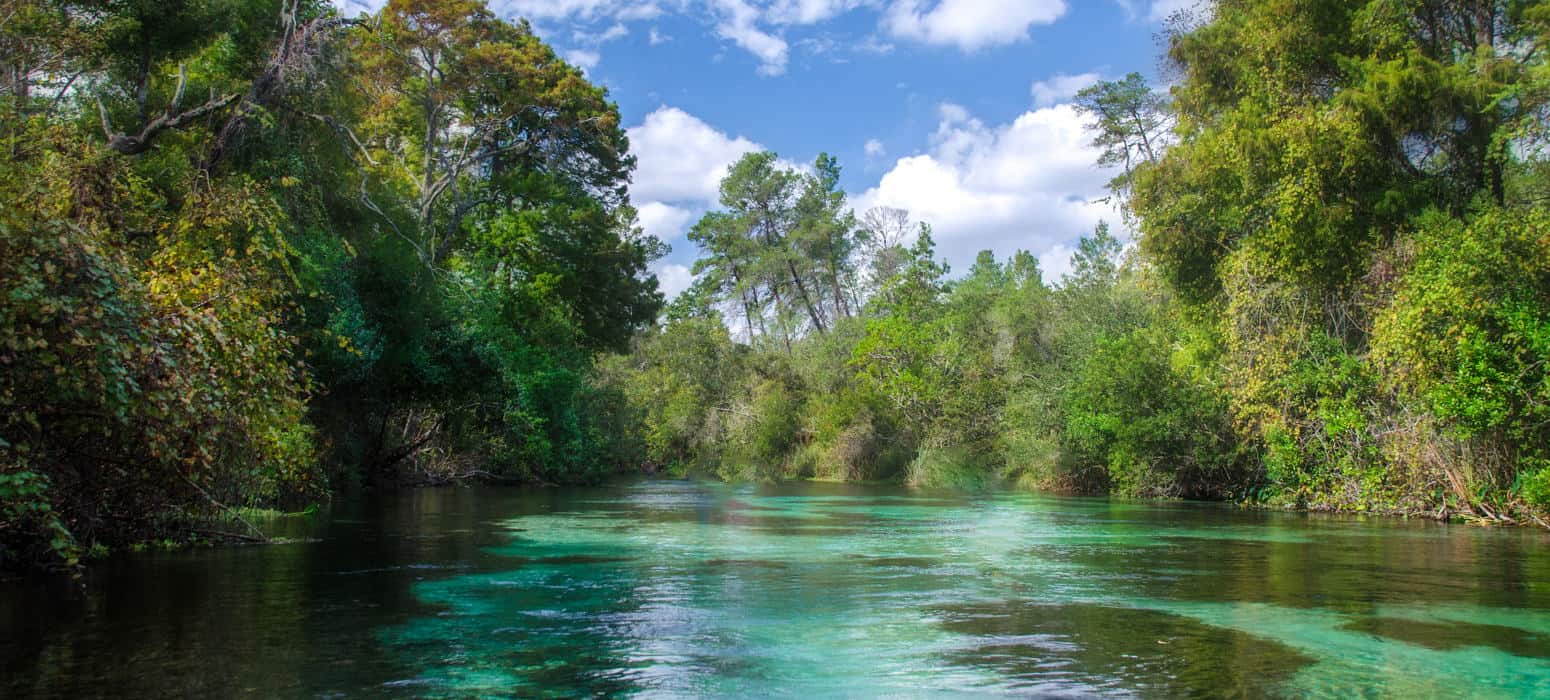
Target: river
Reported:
[(679, 589)]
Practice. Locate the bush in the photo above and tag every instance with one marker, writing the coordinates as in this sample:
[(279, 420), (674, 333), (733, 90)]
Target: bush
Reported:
[(1535, 488), (958, 468), (1150, 429), (765, 433), (142, 390), (1468, 333)]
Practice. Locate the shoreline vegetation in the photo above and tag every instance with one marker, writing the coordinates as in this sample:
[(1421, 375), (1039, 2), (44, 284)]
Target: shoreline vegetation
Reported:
[(257, 253)]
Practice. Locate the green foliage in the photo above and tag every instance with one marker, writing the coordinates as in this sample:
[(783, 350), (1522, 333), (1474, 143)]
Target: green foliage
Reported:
[(762, 432), (1340, 204), (1147, 428), (31, 531), (680, 382), (957, 468), (1468, 332), (308, 278), (1129, 122), (1535, 487), (1337, 299)]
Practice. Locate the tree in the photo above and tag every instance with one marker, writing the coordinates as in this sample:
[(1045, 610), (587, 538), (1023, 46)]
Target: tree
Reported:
[(1130, 124), (881, 238), (390, 248), (824, 234), (457, 99), (764, 197), (727, 264)]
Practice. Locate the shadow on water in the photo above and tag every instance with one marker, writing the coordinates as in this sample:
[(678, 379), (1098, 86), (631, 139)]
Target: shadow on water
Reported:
[(1455, 635), (264, 621), (896, 562), (1354, 571), (1076, 648)]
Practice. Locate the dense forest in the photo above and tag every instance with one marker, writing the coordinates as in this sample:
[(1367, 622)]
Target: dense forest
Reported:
[(255, 252), (1337, 297)]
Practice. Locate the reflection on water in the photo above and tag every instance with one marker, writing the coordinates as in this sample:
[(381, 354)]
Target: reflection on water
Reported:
[(678, 589)]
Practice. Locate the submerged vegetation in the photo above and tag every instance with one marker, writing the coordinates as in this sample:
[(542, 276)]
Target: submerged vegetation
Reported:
[(254, 251)]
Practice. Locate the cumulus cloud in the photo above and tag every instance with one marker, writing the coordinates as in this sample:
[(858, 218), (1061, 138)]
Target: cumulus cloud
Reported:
[(351, 8), (875, 149), (673, 278), (1061, 88), (1031, 184), (970, 24), (1055, 263), (681, 159), (680, 163), (665, 221)]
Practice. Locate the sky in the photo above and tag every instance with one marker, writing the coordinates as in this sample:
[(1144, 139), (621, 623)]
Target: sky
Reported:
[(955, 110)]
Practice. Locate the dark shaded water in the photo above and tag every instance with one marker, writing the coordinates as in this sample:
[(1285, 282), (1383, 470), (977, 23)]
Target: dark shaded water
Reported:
[(677, 589)]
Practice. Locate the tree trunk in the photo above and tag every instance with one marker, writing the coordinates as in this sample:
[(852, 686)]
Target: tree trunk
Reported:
[(806, 301)]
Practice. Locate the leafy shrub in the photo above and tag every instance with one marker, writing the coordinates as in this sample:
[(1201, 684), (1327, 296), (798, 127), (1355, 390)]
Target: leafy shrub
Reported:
[(1150, 429), (1468, 334), (140, 390)]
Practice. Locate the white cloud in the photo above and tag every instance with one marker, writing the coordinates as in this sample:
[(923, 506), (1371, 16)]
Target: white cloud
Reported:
[(680, 163), (1061, 88), (1032, 184), (351, 8), (681, 159), (585, 59), (657, 37), (875, 149), (739, 24), (970, 24), (1055, 263), (673, 279), (612, 33), (665, 221), (810, 11)]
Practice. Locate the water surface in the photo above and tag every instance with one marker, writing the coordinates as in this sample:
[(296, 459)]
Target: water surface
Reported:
[(674, 589)]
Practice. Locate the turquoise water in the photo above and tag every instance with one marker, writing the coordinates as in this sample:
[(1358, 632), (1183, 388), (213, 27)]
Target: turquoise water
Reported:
[(674, 589)]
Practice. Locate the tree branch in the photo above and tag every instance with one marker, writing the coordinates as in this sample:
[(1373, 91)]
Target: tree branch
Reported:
[(125, 144)]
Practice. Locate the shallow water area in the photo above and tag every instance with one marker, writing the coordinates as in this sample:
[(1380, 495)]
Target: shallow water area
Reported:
[(680, 589)]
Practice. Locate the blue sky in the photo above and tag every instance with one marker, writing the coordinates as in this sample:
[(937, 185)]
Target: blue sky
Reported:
[(956, 110)]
